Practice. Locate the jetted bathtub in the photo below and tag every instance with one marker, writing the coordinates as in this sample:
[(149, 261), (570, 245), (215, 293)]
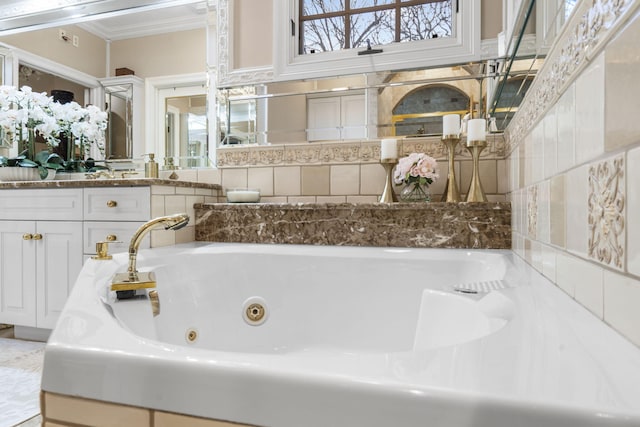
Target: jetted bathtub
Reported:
[(318, 336)]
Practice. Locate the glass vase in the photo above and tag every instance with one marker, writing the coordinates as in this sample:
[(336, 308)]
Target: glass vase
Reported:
[(415, 192)]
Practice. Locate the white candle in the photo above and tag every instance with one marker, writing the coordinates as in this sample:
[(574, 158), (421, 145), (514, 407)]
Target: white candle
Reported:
[(389, 149), (450, 124), (477, 130)]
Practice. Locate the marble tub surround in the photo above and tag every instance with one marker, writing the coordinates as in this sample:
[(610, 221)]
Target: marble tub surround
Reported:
[(336, 172), (574, 165), (436, 225)]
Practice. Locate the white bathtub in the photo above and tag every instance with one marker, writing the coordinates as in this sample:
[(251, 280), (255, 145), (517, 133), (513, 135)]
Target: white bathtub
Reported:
[(352, 337)]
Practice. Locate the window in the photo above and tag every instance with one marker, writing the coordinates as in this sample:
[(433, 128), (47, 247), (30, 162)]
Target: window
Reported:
[(329, 25), (321, 38), (420, 111)]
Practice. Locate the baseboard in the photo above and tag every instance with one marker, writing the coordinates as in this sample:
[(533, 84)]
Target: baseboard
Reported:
[(31, 334)]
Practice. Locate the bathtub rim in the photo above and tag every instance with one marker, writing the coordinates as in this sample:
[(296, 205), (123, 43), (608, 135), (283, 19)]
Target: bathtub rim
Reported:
[(65, 353)]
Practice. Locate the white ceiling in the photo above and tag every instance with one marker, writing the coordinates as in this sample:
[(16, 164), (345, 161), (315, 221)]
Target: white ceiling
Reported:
[(109, 19), (150, 22)]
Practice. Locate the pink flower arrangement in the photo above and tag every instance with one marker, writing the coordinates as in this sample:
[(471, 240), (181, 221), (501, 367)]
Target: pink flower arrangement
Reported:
[(416, 167)]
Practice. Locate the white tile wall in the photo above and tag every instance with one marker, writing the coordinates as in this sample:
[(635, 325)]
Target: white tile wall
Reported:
[(550, 149), (286, 181), (537, 153), (345, 180), (577, 186), (549, 262), (621, 297), (566, 121), (544, 222), (262, 179), (589, 109), (579, 121), (633, 211), (234, 178)]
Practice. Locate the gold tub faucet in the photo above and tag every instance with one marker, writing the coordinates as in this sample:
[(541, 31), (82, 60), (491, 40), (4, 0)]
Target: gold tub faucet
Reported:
[(126, 284)]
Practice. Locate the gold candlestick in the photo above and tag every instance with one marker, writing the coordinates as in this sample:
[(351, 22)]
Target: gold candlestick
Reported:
[(476, 193), (451, 193), (388, 196)]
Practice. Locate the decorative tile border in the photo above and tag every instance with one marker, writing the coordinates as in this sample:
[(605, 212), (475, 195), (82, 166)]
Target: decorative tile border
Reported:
[(606, 212), (344, 152), (582, 38)]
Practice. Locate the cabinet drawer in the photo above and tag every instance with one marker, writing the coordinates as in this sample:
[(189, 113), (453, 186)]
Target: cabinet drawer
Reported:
[(121, 231), (117, 204), (41, 204)]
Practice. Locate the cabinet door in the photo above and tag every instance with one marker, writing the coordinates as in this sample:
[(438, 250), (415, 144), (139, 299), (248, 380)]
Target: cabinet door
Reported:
[(352, 111), (17, 273), (59, 257), (323, 119)]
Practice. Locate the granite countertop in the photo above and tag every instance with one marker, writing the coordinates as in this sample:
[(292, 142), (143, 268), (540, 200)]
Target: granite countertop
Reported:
[(122, 182)]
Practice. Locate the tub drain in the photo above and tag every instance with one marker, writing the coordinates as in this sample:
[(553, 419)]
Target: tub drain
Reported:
[(254, 311)]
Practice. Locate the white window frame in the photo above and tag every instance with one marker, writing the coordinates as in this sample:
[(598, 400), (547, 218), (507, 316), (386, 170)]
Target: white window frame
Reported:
[(463, 46)]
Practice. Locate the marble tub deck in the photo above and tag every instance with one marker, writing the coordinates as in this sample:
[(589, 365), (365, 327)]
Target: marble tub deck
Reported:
[(420, 225)]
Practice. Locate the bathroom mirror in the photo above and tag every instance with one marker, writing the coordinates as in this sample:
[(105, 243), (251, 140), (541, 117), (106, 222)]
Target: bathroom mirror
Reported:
[(408, 103), (186, 131), (257, 116), (386, 103), (119, 133), (116, 22)]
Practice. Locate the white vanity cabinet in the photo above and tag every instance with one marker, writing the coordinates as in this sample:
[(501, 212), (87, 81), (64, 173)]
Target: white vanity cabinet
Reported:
[(114, 214), (40, 253), (46, 234)]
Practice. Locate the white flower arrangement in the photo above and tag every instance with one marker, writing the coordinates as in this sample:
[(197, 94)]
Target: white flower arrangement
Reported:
[(22, 111), (83, 126)]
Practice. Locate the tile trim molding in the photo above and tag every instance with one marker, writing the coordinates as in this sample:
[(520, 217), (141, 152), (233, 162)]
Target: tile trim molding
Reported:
[(345, 152), (583, 37)]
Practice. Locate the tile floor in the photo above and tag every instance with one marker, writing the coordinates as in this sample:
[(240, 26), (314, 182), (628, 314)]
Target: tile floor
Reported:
[(7, 332)]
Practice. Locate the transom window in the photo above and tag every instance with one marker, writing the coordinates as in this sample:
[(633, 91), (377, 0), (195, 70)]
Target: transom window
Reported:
[(330, 25)]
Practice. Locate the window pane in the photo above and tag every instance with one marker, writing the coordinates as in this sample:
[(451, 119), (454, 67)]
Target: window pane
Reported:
[(356, 4), (377, 27), (426, 21), (323, 35), (317, 7)]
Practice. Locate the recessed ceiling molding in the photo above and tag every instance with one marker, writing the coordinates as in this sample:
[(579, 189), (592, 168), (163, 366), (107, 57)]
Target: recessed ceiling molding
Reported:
[(166, 20), (20, 16)]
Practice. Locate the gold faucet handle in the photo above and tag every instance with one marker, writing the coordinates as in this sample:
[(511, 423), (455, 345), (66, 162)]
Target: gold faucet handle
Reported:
[(102, 250)]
